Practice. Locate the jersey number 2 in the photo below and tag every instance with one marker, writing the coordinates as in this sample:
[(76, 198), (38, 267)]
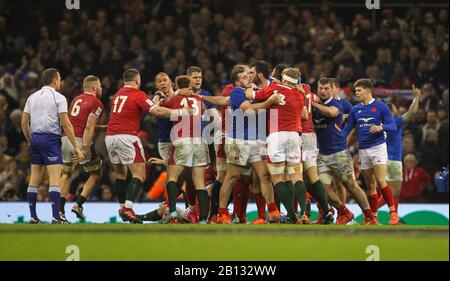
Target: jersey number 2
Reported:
[(122, 102)]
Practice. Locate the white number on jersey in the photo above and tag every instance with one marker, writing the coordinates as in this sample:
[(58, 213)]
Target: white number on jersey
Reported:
[(184, 102), (309, 99), (116, 101), (76, 107), (283, 97)]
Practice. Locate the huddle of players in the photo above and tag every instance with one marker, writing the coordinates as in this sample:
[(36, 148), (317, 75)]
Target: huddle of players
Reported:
[(306, 137)]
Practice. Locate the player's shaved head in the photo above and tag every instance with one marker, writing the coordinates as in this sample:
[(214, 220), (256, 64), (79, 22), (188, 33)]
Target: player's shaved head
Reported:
[(130, 75), (90, 81), (183, 82)]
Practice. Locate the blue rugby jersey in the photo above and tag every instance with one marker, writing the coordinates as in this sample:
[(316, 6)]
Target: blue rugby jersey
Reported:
[(365, 116), (394, 141), (328, 130), (164, 128), (346, 106), (247, 127)]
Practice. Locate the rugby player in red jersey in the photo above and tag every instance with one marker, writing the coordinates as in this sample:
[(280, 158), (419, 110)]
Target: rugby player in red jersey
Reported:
[(283, 142), (124, 147), (309, 158), (260, 75), (243, 147), (84, 113), (188, 149)]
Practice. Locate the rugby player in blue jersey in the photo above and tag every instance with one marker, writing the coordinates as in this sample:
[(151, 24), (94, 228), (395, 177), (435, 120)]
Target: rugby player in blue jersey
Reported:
[(372, 119), (346, 109), (334, 157), (395, 147)]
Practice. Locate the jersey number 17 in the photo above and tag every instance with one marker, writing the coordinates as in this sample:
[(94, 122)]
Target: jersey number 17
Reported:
[(116, 102)]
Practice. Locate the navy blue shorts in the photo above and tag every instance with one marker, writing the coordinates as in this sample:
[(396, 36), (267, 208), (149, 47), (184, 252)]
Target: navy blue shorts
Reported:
[(46, 149)]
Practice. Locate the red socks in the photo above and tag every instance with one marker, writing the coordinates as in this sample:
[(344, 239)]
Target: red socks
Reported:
[(368, 213), (261, 205), (373, 202), (272, 207), (389, 198), (241, 194), (342, 209)]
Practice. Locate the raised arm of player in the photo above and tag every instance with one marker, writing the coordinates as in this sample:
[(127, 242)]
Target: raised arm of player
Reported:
[(68, 129), (414, 105)]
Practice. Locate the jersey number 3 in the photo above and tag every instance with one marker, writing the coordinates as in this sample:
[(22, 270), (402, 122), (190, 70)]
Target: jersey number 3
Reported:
[(122, 102), (184, 102)]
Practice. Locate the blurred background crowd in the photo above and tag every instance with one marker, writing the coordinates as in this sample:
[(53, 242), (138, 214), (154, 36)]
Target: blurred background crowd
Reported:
[(395, 47)]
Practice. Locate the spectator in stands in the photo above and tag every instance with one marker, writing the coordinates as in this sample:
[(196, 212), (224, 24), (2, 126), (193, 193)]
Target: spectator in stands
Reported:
[(14, 131), (431, 124), (14, 178), (415, 180), (431, 154)]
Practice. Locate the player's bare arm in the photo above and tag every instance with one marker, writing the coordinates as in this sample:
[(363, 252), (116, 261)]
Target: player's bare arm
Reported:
[(26, 126), (164, 112), (156, 161), (68, 129), (89, 132), (250, 93), (328, 111), (414, 105), (305, 113), (273, 99), (220, 101)]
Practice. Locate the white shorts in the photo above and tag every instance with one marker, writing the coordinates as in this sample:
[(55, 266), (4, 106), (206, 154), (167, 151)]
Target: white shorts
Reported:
[(284, 147), (339, 164), (125, 149), (91, 162), (370, 157), (164, 150), (68, 150), (243, 152), (394, 171), (309, 150), (188, 152)]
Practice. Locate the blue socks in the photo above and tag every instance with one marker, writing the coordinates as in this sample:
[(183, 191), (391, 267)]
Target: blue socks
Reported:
[(32, 198), (54, 193)]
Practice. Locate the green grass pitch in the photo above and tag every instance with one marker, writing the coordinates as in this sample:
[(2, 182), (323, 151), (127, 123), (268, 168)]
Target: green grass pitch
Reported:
[(223, 242)]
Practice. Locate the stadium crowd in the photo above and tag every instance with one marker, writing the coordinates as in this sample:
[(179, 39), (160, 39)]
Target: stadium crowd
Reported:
[(404, 47)]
